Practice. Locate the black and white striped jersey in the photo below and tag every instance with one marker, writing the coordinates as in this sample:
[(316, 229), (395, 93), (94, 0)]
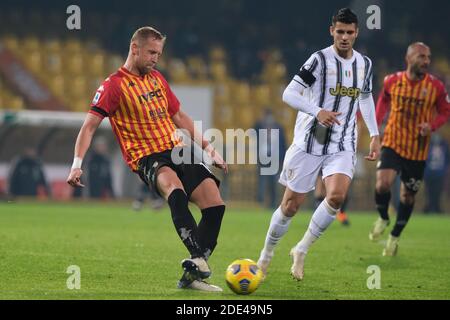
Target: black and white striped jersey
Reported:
[(333, 83)]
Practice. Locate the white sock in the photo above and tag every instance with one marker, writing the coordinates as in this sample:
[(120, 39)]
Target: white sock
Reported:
[(321, 219), (279, 225)]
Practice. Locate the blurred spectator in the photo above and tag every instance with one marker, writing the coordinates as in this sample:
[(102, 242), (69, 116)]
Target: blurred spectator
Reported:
[(99, 171), (436, 172), (27, 176), (270, 182)]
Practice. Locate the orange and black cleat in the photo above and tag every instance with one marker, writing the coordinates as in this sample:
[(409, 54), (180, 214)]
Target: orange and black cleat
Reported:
[(341, 216)]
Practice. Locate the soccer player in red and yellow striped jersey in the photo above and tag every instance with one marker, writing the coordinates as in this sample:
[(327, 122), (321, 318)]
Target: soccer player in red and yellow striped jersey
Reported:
[(144, 114), (418, 104)]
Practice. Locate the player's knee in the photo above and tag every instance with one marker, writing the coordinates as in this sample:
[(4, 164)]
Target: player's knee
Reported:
[(167, 188), (382, 186), (290, 207), (407, 198), (208, 197), (335, 200)]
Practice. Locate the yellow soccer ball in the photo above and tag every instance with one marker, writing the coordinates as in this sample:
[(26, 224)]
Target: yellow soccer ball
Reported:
[(243, 276)]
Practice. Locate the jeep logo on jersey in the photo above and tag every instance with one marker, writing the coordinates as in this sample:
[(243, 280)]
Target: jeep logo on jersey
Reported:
[(149, 95), (341, 90)]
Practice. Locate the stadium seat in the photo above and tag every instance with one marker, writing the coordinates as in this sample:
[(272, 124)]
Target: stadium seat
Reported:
[(73, 64), (56, 85), (197, 68), (241, 93), (76, 87), (95, 64), (11, 42), (217, 54), (177, 71), (219, 71)]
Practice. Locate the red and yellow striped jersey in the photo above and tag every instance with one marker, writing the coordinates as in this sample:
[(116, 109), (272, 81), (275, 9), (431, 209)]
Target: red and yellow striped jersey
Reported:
[(140, 110), (411, 103)]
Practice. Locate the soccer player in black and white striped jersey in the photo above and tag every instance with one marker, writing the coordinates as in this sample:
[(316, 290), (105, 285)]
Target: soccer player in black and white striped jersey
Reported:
[(328, 90)]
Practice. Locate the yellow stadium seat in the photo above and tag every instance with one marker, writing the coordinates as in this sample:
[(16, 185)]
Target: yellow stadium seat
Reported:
[(56, 85), (34, 62), (95, 64), (76, 87), (260, 96), (30, 44), (197, 68), (219, 71), (13, 102), (11, 42), (217, 54), (244, 117), (241, 93), (178, 71), (73, 64), (72, 46), (52, 45), (79, 105)]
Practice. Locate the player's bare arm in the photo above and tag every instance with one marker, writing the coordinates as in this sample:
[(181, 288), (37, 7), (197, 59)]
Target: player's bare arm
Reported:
[(183, 121), (82, 144)]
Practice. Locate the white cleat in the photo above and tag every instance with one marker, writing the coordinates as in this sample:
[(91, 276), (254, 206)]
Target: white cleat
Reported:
[(391, 246), (298, 259), (264, 262), (263, 265), (378, 228), (203, 286)]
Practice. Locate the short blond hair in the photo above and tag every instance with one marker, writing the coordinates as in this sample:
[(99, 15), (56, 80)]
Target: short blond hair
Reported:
[(144, 33)]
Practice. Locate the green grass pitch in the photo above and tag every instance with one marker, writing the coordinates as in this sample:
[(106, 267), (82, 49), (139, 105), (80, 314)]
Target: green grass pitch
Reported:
[(127, 255)]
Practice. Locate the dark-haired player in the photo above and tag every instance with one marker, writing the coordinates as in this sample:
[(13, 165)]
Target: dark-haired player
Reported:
[(328, 90)]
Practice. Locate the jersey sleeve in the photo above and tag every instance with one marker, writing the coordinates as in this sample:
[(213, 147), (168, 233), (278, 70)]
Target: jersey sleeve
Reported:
[(309, 72), (172, 100), (368, 75), (442, 108), (384, 101), (106, 99)]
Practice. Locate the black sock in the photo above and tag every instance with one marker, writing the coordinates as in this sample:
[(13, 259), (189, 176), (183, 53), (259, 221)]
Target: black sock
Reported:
[(344, 204), (209, 228), (403, 215), (382, 202), (184, 222)]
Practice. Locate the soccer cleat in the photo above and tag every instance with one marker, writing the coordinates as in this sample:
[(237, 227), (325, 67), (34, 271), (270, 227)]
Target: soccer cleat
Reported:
[(201, 286), (378, 229), (298, 259), (341, 216), (263, 265), (264, 262), (185, 281), (391, 246), (198, 268)]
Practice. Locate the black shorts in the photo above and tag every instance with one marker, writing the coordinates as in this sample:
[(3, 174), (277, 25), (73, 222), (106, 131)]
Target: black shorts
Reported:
[(190, 174), (411, 171)]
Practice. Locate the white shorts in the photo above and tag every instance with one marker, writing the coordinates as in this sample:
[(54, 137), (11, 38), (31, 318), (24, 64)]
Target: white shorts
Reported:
[(300, 169)]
